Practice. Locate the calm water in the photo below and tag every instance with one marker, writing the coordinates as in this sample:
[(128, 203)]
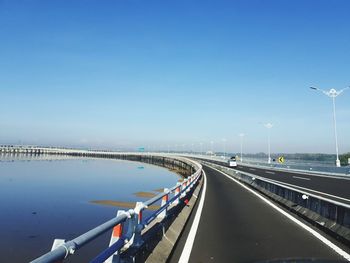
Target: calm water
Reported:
[(42, 199)]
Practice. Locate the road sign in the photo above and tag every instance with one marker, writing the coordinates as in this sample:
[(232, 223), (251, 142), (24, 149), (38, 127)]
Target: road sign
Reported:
[(281, 159), (141, 149)]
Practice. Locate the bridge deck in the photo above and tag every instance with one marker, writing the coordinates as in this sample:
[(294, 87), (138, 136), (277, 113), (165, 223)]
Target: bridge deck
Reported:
[(237, 226)]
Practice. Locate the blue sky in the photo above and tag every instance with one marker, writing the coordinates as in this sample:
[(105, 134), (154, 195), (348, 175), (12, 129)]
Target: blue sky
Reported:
[(155, 73)]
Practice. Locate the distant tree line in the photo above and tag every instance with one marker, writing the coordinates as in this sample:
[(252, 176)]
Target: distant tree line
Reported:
[(344, 158)]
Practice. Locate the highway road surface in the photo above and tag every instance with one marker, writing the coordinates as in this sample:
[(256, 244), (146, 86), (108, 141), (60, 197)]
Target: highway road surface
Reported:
[(235, 224), (332, 187)]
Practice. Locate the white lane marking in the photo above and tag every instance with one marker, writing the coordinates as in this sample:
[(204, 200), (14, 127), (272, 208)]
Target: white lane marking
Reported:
[(301, 224), (296, 186), (186, 252), (304, 172), (308, 189), (252, 169), (268, 172), (303, 178)]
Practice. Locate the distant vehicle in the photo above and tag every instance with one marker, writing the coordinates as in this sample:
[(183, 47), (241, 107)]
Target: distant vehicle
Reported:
[(232, 162)]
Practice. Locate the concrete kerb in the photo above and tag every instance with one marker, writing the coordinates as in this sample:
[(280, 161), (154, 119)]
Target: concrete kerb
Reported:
[(164, 248)]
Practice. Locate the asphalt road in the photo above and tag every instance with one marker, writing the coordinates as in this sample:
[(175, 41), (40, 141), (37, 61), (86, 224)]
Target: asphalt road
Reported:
[(331, 187), (237, 226), (327, 186)]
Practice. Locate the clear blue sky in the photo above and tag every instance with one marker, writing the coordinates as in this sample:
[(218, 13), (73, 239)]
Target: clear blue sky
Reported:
[(132, 73)]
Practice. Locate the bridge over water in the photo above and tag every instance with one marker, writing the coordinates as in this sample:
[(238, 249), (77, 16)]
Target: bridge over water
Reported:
[(245, 214)]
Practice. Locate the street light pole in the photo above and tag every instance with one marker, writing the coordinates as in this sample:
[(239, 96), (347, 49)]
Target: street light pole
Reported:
[(332, 93), (201, 146), (211, 148), (268, 126), (241, 135)]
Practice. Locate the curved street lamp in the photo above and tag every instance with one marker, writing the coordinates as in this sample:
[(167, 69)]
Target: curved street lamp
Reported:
[(332, 93)]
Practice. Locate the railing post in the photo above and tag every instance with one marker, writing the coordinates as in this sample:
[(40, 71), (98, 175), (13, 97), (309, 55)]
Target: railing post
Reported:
[(184, 184), (116, 235), (191, 182), (177, 192), (165, 199), (188, 184), (138, 241), (56, 244)]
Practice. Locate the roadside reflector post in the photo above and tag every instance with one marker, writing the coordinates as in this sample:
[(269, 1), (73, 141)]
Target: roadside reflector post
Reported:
[(177, 193), (138, 241), (165, 200)]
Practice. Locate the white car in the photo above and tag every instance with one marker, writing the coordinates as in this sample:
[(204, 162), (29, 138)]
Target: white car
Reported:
[(232, 162)]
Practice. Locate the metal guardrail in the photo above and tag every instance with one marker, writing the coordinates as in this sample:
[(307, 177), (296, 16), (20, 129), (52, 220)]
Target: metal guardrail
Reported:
[(127, 226)]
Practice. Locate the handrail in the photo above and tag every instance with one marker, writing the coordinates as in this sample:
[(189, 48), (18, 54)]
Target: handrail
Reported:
[(64, 250), (132, 220)]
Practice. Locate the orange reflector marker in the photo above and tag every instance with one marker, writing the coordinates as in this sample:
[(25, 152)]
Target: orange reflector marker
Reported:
[(165, 198), (117, 231), (140, 216)]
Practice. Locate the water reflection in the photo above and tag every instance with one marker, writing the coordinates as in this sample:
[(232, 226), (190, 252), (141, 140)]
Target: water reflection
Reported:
[(48, 197)]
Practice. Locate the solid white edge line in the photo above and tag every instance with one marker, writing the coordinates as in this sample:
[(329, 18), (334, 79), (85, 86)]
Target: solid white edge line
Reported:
[(301, 224), (303, 178), (187, 249)]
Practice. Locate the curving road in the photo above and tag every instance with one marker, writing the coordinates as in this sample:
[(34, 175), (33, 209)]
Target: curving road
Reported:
[(238, 226)]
